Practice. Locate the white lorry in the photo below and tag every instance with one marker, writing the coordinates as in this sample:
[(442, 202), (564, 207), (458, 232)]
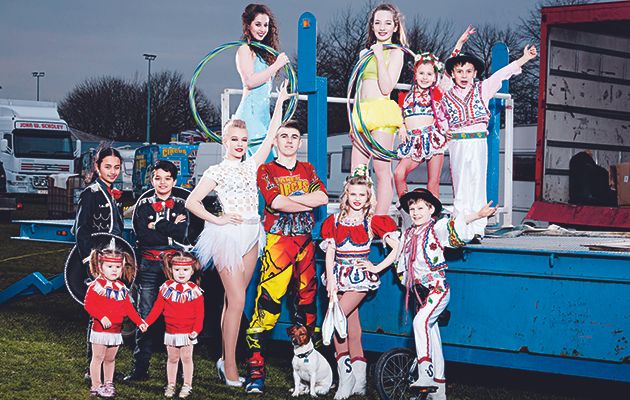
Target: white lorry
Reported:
[(34, 143)]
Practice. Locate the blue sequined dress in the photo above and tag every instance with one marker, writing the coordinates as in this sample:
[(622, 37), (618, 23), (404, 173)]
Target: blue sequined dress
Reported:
[(254, 109)]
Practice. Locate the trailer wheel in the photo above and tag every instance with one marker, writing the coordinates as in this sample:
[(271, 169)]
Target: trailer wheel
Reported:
[(395, 370)]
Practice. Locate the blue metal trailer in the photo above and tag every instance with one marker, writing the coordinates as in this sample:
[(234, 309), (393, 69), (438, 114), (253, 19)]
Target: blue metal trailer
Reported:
[(538, 302)]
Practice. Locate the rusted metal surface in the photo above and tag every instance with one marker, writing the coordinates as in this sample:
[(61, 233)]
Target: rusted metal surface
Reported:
[(568, 214)]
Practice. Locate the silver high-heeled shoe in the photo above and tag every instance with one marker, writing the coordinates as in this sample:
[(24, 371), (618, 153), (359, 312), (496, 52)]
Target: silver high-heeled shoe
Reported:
[(221, 373)]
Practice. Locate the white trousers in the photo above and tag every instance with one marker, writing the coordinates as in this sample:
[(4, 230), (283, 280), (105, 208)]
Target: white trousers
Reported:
[(427, 334), (469, 168)]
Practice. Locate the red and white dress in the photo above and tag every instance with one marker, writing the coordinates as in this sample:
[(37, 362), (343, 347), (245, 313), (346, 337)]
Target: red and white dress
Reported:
[(352, 243), (183, 310), (109, 299)]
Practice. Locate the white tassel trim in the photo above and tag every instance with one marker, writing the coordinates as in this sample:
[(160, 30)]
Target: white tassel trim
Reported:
[(178, 339), (106, 338), (189, 291), (112, 290)]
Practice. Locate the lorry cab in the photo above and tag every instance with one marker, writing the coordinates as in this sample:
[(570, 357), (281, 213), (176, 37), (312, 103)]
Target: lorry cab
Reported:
[(34, 143)]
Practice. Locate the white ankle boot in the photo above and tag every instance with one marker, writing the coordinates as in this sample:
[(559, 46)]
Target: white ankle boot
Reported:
[(359, 370), (346, 378), (440, 394)]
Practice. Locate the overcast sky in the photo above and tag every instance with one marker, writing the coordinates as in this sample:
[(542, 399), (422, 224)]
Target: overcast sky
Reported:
[(71, 40)]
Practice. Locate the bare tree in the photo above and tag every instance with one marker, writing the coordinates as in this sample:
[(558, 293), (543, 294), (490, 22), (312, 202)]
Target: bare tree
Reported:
[(480, 44), (116, 108)]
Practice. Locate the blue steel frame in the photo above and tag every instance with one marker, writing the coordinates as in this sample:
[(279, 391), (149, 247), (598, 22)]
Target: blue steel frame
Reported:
[(317, 89), (500, 58)]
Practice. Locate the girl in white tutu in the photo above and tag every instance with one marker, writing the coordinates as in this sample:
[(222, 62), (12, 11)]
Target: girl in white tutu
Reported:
[(107, 302), (233, 239), (181, 303)]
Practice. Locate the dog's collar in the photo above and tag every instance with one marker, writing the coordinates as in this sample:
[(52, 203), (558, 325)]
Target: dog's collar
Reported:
[(305, 355)]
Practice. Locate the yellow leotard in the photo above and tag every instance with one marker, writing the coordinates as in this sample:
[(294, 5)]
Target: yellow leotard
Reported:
[(379, 113), (371, 69)]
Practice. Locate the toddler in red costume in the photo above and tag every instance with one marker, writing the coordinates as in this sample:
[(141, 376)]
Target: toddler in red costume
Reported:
[(107, 302), (181, 303)]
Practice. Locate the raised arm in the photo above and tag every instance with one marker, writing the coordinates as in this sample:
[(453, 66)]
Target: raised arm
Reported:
[(245, 67), (388, 75), (446, 83), (492, 85), (276, 120), (470, 30)]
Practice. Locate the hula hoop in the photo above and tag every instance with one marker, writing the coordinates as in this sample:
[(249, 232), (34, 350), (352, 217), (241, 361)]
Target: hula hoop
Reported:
[(364, 138), (292, 77)]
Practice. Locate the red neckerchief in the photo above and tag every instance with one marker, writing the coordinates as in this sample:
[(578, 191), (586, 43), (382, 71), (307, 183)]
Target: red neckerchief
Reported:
[(159, 205), (411, 250)]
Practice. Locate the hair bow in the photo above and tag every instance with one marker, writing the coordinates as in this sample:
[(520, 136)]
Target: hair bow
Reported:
[(361, 170), (159, 205), (116, 194)]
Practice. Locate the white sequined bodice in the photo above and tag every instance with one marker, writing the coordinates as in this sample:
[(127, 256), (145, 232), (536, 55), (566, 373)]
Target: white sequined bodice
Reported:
[(236, 186)]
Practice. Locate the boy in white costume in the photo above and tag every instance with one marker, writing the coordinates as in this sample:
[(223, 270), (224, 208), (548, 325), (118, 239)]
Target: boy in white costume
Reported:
[(466, 107), (422, 267)]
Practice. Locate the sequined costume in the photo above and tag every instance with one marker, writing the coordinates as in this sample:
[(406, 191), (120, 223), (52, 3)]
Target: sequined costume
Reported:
[(236, 188), (254, 109)]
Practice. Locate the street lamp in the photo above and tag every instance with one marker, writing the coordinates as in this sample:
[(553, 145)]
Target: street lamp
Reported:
[(38, 75), (149, 58)]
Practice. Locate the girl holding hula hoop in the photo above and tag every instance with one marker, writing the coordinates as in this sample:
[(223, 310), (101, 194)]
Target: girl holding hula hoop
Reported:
[(423, 135), (256, 67), (381, 115)]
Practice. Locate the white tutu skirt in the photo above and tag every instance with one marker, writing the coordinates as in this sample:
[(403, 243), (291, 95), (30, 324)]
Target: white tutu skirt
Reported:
[(226, 244), (106, 338)]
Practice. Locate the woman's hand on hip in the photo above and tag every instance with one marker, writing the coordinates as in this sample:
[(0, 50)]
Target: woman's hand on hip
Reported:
[(233, 219)]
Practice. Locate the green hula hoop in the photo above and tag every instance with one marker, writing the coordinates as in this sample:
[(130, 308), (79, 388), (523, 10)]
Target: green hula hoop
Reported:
[(290, 71), (364, 138)]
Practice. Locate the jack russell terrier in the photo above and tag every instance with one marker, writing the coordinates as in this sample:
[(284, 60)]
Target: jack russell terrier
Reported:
[(311, 372)]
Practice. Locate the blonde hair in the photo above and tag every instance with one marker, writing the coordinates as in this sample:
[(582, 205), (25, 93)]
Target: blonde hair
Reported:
[(370, 205), (232, 123), (167, 261), (128, 267)]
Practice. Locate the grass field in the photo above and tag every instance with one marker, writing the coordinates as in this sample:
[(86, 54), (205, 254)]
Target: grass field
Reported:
[(42, 341)]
